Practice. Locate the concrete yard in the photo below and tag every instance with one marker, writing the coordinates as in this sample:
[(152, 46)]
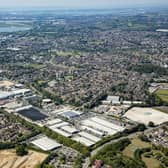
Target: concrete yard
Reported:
[(145, 115), (9, 159)]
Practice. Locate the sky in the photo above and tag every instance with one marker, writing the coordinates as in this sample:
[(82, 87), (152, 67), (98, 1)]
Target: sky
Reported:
[(81, 3)]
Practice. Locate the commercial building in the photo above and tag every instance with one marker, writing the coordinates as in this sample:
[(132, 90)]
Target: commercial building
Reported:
[(59, 131), (70, 114), (15, 93), (53, 121), (107, 124), (46, 143), (102, 125), (61, 124), (99, 127), (70, 129), (114, 99), (93, 131), (83, 140), (89, 136)]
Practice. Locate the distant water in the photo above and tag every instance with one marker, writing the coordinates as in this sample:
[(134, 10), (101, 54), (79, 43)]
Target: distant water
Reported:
[(13, 29), (162, 30)]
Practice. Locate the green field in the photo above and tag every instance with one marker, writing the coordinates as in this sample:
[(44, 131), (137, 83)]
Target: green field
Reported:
[(150, 160), (135, 144), (35, 66), (162, 94), (66, 53)]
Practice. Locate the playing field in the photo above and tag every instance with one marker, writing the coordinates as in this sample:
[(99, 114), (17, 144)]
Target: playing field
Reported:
[(9, 159), (145, 115)]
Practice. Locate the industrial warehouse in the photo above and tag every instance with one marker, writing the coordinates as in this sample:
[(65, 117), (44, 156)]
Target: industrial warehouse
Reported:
[(45, 143), (86, 128), (88, 131)]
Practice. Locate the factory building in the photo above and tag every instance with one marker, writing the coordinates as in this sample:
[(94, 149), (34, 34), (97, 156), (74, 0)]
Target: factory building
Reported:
[(46, 143)]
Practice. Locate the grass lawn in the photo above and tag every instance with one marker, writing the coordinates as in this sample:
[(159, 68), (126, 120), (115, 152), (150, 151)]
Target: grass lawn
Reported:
[(135, 144), (35, 66), (151, 162), (163, 94), (66, 53)]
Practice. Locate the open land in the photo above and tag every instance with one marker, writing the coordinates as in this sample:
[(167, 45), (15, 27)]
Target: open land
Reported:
[(145, 115), (10, 159)]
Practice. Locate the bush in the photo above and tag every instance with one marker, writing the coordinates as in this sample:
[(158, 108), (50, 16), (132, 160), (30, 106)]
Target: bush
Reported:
[(151, 124), (21, 150), (144, 138)]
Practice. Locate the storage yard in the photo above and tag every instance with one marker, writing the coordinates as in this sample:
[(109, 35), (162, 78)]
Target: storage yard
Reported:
[(145, 115), (9, 159)]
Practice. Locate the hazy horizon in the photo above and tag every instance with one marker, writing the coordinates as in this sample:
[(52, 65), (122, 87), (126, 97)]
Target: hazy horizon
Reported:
[(67, 4)]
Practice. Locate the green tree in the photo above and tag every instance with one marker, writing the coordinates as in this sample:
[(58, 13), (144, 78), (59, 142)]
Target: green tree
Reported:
[(151, 124), (21, 150)]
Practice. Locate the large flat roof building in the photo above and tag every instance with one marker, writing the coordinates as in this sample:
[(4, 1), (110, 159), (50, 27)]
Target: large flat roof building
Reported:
[(69, 129), (46, 143), (70, 114), (83, 140), (59, 131)]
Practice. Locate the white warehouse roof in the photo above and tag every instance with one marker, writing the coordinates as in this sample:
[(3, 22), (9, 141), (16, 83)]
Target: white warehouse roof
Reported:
[(69, 129), (59, 131), (89, 136), (99, 127), (62, 124), (54, 121), (107, 124), (46, 143), (92, 130), (83, 140), (113, 98)]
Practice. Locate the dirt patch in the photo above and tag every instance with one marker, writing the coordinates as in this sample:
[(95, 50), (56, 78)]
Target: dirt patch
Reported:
[(9, 159)]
